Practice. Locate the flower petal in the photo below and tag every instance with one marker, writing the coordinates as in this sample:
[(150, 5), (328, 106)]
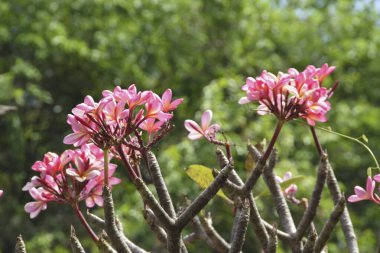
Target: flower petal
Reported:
[(206, 119)]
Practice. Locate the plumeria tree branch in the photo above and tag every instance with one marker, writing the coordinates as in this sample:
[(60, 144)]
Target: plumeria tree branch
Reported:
[(158, 181), (155, 226), (20, 245), (112, 230), (311, 209), (345, 219), (330, 224), (310, 243), (241, 223), (273, 241), (336, 194), (76, 246), (215, 240)]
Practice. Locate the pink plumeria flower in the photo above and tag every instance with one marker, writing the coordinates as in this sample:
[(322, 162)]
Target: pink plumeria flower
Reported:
[(324, 71), (291, 95), (290, 191), (151, 125), (154, 109), (86, 166), (117, 116), (205, 130), (81, 135), (59, 176), (167, 103), (94, 188), (1, 193), (377, 178), (35, 207), (365, 194)]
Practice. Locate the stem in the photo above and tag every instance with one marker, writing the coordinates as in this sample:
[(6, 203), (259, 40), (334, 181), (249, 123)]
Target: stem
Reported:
[(79, 214), (316, 140), (356, 140), (131, 173), (106, 161), (269, 149)]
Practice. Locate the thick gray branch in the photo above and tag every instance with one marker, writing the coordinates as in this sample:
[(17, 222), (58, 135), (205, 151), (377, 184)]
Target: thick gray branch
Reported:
[(311, 209), (234, 187), (345, 219), (104, 247), (217, 240), (282, 208), (100, 224), (273, 241), (190, 238), (76, 246), (281, 234), (149, 198), (153, 223), (96, 221), (240, 228), (20, 245), (310, 243), (112, 230), (159, 183), (279, 200), (330, 224)]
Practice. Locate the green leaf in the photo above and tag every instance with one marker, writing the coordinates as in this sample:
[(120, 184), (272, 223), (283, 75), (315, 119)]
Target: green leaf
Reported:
[(283, 185), (249, 163), (202, 175)]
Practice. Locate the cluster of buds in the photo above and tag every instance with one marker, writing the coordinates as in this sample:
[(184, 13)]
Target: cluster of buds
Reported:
[(119, 115), (71, 177), (368, 193), (291, 95)]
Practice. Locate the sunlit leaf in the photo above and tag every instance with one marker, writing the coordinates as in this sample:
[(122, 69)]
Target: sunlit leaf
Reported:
[(202, 175), (249, 163)]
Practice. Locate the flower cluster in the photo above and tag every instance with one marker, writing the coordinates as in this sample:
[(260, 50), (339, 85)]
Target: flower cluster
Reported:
[(368, 193), (291, 95), (73, 176), (119, 114), (291, 190), (206, 129)]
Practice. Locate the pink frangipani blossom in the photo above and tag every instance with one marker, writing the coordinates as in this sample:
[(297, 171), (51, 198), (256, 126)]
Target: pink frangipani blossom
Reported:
[(73, 176), (291, 95), (40, 203), (206, 129), (365, 194), (1, 193), (118, 115), (167, 103)]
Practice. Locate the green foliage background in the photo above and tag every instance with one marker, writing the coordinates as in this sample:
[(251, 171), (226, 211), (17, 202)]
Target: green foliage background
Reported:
[(53, 53)]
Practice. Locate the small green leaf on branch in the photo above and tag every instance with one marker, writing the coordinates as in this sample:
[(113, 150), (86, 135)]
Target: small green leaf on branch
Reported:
[(202, 175)]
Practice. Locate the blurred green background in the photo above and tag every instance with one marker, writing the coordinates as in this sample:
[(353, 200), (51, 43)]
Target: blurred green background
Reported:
[(53, 53)]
